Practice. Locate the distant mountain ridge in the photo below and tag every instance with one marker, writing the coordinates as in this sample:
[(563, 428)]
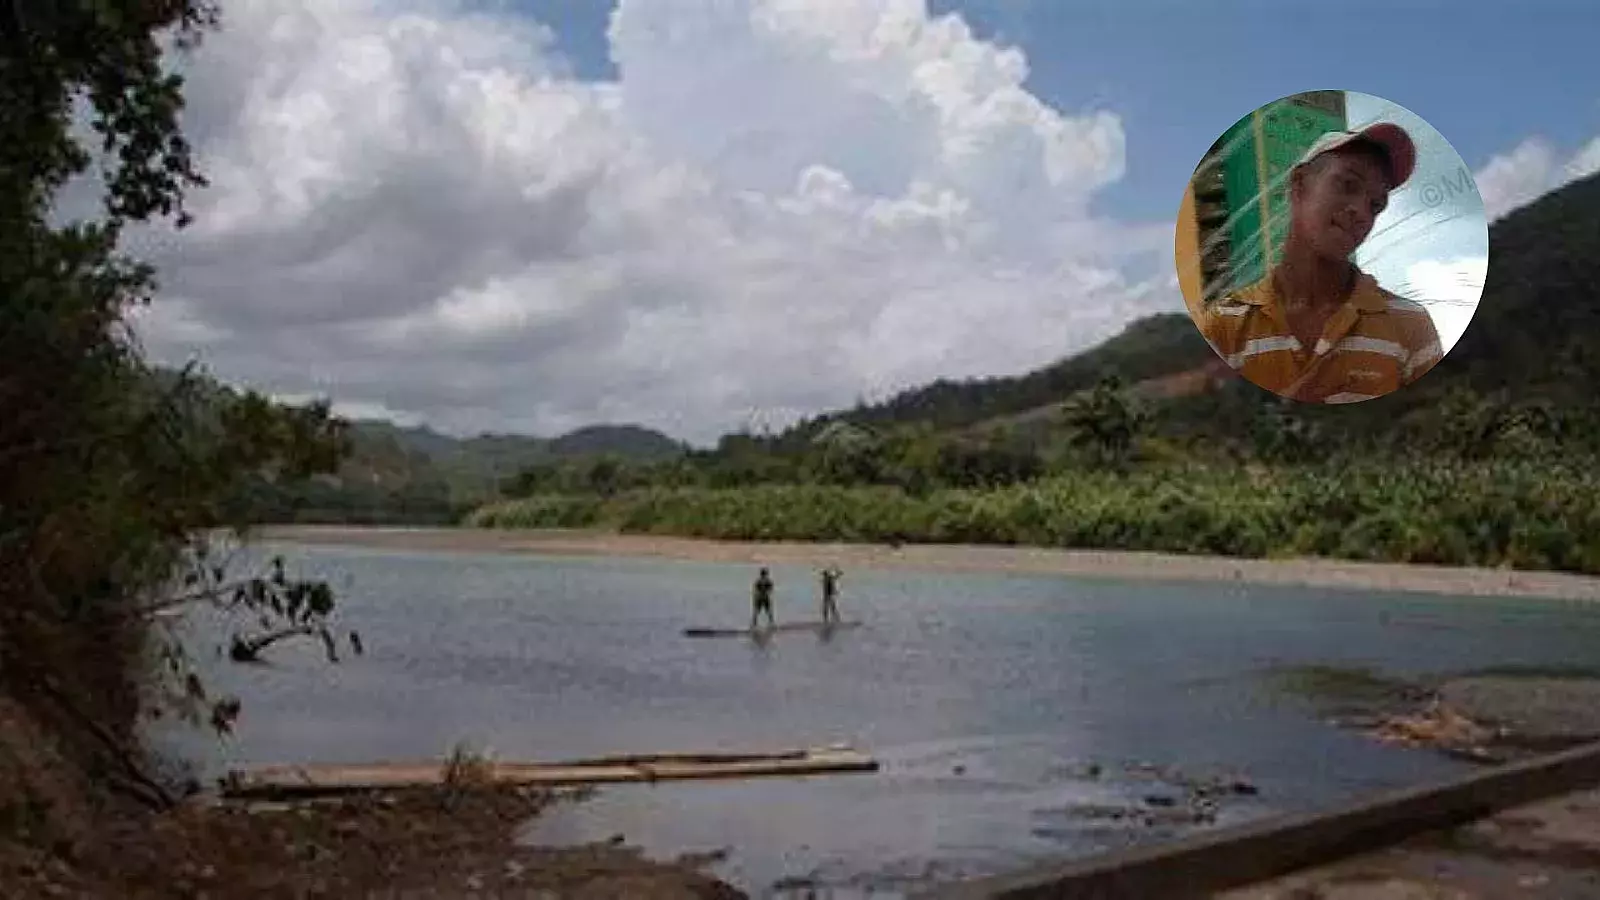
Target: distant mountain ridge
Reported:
[(398, 474), (475, 466)]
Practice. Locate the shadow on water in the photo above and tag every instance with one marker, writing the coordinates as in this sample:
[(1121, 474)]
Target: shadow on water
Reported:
[(761, 645)]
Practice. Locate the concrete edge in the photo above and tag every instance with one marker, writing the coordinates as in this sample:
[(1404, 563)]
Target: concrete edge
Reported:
[(1257, 851)]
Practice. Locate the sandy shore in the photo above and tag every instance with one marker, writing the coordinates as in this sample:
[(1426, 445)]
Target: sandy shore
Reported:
[(964, 558)]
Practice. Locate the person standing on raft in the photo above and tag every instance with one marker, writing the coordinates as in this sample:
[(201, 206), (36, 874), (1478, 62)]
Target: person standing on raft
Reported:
[(761, 597), (830, 594)]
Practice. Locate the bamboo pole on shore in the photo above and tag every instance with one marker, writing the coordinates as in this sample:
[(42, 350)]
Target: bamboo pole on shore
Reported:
[(307, 781)]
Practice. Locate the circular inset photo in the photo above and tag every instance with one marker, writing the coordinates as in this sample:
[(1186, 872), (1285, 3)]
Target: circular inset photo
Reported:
[(1332, 247)]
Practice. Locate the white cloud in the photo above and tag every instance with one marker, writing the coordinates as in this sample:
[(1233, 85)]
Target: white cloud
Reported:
[(1584, 163), (779, 206), (1530, 170)]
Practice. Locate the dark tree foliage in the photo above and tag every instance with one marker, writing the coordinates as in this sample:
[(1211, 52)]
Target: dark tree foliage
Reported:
[(1107, 423), (114, 479)]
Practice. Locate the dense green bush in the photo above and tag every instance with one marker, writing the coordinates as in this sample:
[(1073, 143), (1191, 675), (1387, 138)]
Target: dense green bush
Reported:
[(1464, 513)]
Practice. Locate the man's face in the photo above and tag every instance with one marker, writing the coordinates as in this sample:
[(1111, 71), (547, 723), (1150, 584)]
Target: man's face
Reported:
[(1335, 199)]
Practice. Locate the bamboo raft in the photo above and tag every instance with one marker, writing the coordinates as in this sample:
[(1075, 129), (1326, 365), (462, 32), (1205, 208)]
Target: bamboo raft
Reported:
[(769, 629), (305, 781)]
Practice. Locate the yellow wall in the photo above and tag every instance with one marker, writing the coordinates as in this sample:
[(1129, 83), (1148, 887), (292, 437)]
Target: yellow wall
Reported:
[(1187, 252)]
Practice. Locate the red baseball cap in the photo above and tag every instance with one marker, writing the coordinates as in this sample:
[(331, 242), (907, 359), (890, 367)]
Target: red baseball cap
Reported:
[(1387, 136)]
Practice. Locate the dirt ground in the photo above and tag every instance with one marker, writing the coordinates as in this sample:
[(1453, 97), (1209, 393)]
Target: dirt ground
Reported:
[(404, 845)]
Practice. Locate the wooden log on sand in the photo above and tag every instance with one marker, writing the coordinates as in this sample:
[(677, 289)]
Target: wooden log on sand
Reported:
[(285, 782)]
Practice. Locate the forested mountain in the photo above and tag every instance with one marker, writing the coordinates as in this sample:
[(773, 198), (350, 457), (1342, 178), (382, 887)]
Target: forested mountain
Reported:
[(415, 474), (1534, 343), (1148, 348)]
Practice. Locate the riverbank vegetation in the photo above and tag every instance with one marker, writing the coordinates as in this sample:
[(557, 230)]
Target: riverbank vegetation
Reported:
[(1490, 513), (1461, 478), (1468, 481), (1148, 443)]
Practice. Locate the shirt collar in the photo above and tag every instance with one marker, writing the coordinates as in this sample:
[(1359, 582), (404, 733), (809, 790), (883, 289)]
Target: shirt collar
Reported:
[(1366, 296)]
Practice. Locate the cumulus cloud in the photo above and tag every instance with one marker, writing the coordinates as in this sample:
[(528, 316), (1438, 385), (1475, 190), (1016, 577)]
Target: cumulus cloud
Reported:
[(1531, 169), (777, 207)]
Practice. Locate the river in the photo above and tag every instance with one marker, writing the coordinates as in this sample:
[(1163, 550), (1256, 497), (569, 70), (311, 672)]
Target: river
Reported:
[(986, 697)]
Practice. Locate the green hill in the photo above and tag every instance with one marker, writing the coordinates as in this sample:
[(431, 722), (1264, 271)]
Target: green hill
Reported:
[(1534, 342), (627, 442), (1148, 348), (1537, 330)]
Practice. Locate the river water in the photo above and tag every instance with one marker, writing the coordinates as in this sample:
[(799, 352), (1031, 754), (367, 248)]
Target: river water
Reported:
[(985, 697)]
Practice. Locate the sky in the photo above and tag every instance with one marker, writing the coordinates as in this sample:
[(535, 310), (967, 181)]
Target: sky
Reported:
[(1431, 243), (707, 215)]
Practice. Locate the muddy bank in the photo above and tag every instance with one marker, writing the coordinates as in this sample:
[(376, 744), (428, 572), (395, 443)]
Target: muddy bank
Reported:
[(436, 843), (1027, 560), (1490, 716)]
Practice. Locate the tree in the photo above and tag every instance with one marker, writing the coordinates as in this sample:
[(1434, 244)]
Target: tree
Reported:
[(113, 476), (604, 475), (848, 455), (539, 478), (911, 456), (1106, 422), (1280, 434)]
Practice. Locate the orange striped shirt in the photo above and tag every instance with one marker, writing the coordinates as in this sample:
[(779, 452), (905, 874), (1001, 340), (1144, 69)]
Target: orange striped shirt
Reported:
[(1373, 344)]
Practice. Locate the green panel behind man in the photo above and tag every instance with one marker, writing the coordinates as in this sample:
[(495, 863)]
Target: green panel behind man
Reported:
[(1259, 151)]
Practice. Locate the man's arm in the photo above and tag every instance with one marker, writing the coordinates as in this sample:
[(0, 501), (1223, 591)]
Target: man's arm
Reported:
[(1421, 338)]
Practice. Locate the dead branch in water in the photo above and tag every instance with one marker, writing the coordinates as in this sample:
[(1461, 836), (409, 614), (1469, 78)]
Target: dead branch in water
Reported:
[(250, 650)]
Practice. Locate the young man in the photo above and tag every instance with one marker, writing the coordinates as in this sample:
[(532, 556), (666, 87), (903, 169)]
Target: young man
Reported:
[(1317, 328), (761, 597), (830, 594)]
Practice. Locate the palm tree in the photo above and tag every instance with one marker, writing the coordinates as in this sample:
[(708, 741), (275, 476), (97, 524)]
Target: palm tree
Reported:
[(1106, 421)]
